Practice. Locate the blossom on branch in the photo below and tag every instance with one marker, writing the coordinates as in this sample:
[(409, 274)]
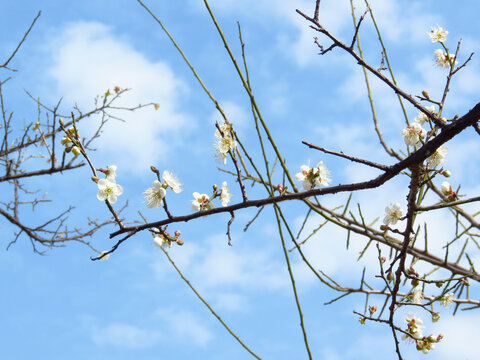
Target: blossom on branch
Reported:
[(155, 194), (443, 59), (202, 202), (313, 177), (393, 213), (413, 134), (421, 118), (225, 143), (111, 172), (172, 181), (447, 299), (437, 157), (417, 295), (108, 190), (414, 328), (161, 242), (438, 34), (225, 195)]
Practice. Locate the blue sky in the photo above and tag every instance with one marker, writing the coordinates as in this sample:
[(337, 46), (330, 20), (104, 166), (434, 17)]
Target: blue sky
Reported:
[(135, 305)]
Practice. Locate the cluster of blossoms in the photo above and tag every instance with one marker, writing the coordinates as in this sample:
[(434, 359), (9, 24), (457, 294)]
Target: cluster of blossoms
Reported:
[(415, 334), (155, 195), (313, 177), (163, 239), (226, 142), (70, 140), (444, 59), (202, 202), (108, 189)]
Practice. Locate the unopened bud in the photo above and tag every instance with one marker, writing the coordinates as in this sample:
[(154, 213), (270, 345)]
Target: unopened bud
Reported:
[(442, 119), (180, 242), (154, 169), (65, 140), (60, 121), (425, 94), (280, 188), (215, 187), (439, 284), (76, 151), (446, 173), (156, 106), (383, 259), (389, 276), (36, 126), (383, 227), (415, 282), (116, 89), (177, 233), (439, 337), (372, 309), (94, 179), (435, 317), (362, 320)]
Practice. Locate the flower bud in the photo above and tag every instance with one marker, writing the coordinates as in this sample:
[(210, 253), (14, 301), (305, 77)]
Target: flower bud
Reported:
[(215, 187), (116, 89), (177, 233), (65, 140), (60, 121), (94, 179), (383, 227), (446, 173), (362, 320), (415, 282), (389, 276), (36, 126), (372, 309), (156, 106), (425, 94), (280, 188), (383, 259), (439, 337), (76, 151), (439, 284), (442, 119), (180, 242), (154, 169), (435, 317)]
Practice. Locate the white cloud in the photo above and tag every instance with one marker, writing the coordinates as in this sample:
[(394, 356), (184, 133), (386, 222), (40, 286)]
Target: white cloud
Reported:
[(89, 59), (185, 325), (126, 336)]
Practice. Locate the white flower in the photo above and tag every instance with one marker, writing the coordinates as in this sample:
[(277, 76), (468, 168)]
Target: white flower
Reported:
[(417, 296), (104, 257), (226, 131), (393, 213), (313, 177), (111, 172), (108, 190), (447, 299), (443, 59), (413, 133), (161, 242), (446, 188), (438, 34), (172, 181), (201, 202), (225, 195), (225, 143), (421, 118), (414, 327), (155, 194), (437, 157)]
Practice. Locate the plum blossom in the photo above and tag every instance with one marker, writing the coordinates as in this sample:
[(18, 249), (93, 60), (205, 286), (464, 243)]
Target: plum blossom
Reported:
[(425, 345), (417, 295), (161, 242), (172, 181), (421, 118), (104, 256), (313, 177), (446, 188), (155, 194), (202, 202), (438, 34), (414, 327), (437, 157), (443, 59), (393, 213), (108, 190), (225, 143), (225, 195), (447, 299), (413, 133), (111, 172)]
